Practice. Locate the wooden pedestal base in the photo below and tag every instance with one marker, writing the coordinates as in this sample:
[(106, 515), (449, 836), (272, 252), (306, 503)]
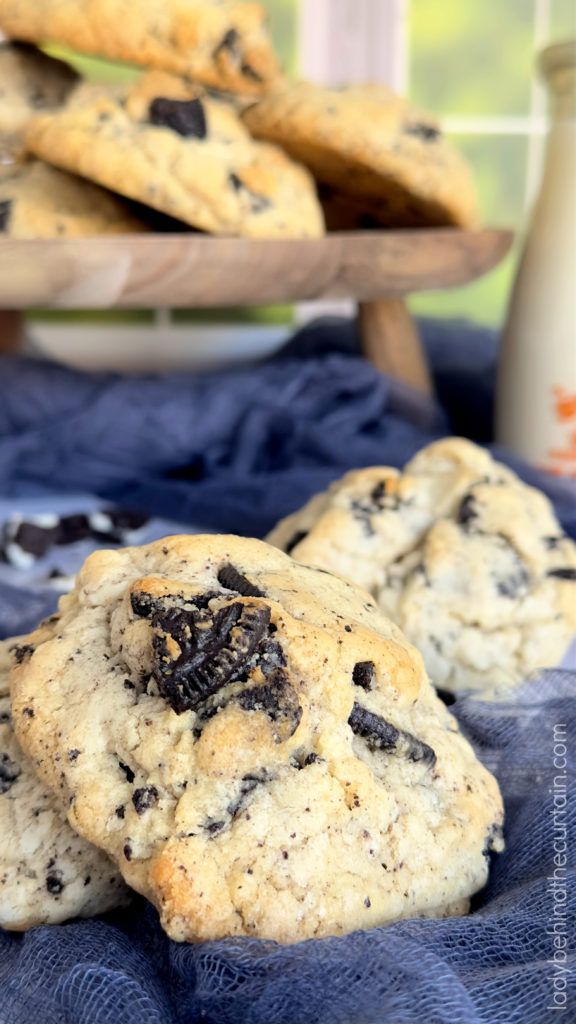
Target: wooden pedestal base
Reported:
[(390, 341), (187, 271), (11, 330)]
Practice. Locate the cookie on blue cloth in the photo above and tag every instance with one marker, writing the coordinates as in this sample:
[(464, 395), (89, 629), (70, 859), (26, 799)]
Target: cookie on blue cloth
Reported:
[(48, 873), (470, 562), (255, 745)]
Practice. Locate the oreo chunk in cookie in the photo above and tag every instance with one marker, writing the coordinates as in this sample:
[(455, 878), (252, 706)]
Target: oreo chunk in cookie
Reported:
[(186, 117), (425, 132), (230, 46), (363, 675), (9, 772), (277, 699), (197, 653), (214, 656), (258, 202), (381, 735), (5, 211), (231, 579)]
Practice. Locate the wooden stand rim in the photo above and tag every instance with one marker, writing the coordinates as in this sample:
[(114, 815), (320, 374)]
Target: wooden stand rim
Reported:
[(193, 270)]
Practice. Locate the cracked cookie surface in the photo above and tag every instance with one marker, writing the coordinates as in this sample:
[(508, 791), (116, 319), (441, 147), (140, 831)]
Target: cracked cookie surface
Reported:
[(165, 144), (470, 562), (48, 873), (256, 746), (381, 161), (222, 44)]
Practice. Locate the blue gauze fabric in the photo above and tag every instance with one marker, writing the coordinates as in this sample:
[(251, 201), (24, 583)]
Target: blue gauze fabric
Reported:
[(235, 450)]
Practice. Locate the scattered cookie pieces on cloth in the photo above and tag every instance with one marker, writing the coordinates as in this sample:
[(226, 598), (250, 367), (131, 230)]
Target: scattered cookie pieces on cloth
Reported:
[(254, 744), (468, 560), (48, 873), (187, 155)]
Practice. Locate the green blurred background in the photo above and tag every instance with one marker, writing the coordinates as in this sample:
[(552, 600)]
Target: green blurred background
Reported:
[(467, 60)]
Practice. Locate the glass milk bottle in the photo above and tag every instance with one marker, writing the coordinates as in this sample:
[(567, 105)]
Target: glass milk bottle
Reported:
[(536, 395)]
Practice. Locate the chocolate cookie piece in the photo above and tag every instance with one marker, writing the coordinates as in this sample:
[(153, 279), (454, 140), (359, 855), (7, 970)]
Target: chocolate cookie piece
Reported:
[(5, 211), (258, 202), (468, 511), (426, 132), (568, 574), (381, 735), (231, 579), (219, 650), (278, 699), (25, 540), (145, 798), (363, 674), (263, 739), (9, 772), (186, 117), (295, 540), (213, 651), (248, 785)]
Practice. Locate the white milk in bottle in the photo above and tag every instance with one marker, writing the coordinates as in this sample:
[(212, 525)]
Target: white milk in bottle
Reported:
[(536, 396)]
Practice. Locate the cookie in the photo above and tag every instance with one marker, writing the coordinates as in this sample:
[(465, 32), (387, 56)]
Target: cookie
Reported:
[(47, 873), (470, 562), (30, 82), (370, 147), (183, 154), (224, 45), (40, 201), (256, 746)]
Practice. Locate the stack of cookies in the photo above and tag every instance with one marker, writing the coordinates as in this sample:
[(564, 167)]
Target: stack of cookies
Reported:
[(212, 136), (246, 741)]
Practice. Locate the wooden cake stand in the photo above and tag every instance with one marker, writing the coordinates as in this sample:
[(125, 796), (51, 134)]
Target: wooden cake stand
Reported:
[(378, 269)]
